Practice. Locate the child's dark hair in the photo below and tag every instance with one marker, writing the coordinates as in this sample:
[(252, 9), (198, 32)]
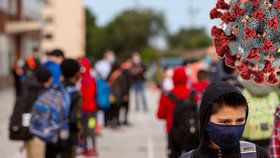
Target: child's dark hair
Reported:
[(35, 49), (185, 62), (232, 99), (43, 75), (70, 68), (202, 75), (57, 53)]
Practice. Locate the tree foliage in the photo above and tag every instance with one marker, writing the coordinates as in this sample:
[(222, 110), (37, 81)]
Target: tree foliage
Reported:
[(132, 29), (189, 39), (90, 27), (129, 31), (150, 54)]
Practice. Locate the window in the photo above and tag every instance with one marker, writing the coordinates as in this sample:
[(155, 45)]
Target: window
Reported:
[(49, 19), (4, 57), (13, 7), (31, 9), (4, 5), (49, 36), (47, 2)]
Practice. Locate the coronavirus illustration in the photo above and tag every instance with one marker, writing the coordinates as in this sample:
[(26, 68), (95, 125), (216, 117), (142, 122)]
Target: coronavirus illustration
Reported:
[(249, 37)]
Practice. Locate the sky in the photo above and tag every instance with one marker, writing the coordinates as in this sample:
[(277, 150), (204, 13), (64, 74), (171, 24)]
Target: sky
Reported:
[(175, 11)]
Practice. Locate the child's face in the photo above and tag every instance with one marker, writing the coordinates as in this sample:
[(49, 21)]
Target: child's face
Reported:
[(228, 115), (226, 127), (57, 59)]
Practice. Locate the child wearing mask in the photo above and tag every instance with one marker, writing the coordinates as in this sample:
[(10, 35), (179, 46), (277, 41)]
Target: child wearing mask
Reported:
[(89, 107), (70, 69), (223, 115)]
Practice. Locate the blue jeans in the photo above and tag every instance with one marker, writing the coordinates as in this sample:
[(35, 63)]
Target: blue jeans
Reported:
[(140, 95)]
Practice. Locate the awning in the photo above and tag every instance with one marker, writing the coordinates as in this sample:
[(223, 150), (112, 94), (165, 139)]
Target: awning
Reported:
[(18, 27)]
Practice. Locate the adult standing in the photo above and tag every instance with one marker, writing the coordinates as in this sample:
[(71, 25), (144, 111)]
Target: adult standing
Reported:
[(138, 70), (103, 69), (104, 66)]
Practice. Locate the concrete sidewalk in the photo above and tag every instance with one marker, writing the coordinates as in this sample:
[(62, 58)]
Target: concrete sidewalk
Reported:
[(8, 148), (144, 139)]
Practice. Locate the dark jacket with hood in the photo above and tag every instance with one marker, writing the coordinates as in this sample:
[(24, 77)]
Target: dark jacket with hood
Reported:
[(212, 92)]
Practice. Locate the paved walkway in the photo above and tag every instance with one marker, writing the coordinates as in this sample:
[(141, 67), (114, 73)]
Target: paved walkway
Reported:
[(8, 149), (144, 139)]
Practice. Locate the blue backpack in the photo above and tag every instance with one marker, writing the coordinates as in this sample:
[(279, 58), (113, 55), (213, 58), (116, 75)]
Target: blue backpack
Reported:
[(50, 114), (103, 94)]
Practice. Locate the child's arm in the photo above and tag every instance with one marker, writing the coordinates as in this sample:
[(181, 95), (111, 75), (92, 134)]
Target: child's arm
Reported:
[(162, 109), (76, 108)]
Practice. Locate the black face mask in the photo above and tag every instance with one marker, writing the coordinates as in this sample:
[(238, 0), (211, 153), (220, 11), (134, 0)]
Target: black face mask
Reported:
[(225, 136)]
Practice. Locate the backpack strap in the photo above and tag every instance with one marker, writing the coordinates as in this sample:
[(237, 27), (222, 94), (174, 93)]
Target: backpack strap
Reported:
[(178, 101), (66, 92), (248, 150), (192, 96), (189, 154), (71, 89), (174, 98)]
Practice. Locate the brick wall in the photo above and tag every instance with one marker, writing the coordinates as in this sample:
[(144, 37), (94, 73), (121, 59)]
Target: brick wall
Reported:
[(2, 21)]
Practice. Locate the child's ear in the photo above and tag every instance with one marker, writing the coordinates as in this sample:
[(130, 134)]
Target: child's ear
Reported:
[(61, 78), (48, 83), (78, 76)]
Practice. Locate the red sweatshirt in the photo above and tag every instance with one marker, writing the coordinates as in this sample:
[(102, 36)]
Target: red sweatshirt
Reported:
[(166, 105), (88, 87), (200, 86)]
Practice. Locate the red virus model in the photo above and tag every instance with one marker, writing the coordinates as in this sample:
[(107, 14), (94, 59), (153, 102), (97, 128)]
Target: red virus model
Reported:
[(249, 37)]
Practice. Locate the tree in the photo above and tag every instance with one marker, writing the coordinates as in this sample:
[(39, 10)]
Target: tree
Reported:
[(129, 31), (189, 39), (150, 54), (90, 27), (132, 30)]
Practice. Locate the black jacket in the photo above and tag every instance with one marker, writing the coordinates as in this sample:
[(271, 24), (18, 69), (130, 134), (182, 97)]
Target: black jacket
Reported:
[(34, 90), (121, 86), (138, 71), (212, 92), (126, 82), (74, 114)]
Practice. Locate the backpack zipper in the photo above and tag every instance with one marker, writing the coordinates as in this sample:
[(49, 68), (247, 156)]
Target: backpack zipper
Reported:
[(220, 154)]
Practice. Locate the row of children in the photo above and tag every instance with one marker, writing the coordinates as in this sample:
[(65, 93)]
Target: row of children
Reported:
[(58, 101), (51, 113)]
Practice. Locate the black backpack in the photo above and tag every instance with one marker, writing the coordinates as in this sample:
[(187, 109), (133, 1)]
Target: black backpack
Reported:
[(19, 121), (21, 115), (185, 130)]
